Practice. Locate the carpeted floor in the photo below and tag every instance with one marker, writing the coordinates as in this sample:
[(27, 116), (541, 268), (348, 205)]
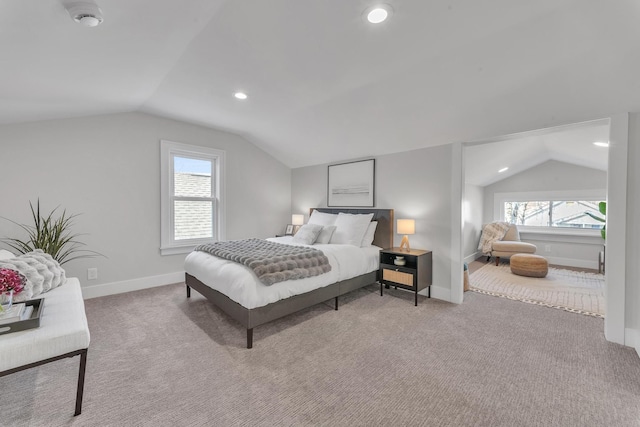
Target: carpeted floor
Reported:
[(158, 359), (576, 291)]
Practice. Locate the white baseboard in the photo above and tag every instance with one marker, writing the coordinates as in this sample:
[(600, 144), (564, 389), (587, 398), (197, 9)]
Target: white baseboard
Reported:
[(131, 285), (113, 288), (474, 256), (569, 262)]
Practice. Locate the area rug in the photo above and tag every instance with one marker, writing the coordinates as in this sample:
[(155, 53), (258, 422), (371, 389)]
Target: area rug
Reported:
[(575, 291)]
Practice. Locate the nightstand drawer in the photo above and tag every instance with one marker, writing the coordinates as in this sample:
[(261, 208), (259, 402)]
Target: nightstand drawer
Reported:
[(397, 277)]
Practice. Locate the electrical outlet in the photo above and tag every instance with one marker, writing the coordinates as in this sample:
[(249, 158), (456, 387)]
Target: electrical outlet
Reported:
[(92, 273), (547, 248)]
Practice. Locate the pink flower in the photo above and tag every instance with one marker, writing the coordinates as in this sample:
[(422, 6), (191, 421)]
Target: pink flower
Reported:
[(11, 280)]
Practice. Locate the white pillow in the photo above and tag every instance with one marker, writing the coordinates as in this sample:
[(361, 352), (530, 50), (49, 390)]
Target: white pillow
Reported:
[(370, 234), (322, 218), (325, 235), (4, 254), (307, 234), (350, 229)]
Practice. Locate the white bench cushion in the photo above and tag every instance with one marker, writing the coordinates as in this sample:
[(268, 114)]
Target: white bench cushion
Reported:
[(63, 329)]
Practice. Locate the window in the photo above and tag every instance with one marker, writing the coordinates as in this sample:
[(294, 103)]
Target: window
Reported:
[(557, 213), (191, 196)]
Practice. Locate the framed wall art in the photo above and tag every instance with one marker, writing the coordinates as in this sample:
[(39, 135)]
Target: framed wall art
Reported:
[(351, 184)]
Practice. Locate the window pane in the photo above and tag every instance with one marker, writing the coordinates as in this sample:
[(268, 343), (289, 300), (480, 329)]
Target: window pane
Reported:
[(191, 177), (527, 213), (572, 214), (193, 220)]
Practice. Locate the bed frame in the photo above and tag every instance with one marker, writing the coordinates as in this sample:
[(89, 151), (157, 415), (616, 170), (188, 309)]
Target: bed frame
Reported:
[(250, 318)]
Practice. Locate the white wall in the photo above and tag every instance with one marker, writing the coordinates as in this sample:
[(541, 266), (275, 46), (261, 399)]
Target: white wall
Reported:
[(416, 184), (107, 168), (473, 206), (576, 251), (632, 288)]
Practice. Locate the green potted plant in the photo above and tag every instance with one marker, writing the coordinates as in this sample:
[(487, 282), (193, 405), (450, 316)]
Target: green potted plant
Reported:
[(51, 234)]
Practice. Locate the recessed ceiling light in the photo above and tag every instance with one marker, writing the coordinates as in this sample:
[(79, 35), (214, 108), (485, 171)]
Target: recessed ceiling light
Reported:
[(503, 170), (240, 95), (601, 144), (378, 14)]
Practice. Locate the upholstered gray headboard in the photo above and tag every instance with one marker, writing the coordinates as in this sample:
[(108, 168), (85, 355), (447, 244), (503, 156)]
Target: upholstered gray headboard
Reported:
[(384, 230)]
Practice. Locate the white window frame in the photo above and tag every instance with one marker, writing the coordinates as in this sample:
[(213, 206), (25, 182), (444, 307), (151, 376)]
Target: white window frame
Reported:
[(169, 150), (499, 200)]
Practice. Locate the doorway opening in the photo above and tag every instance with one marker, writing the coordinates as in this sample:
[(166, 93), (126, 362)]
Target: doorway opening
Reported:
[(548, 185)]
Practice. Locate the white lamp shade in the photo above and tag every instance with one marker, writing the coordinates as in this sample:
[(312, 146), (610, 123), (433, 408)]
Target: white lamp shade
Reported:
[(297, 219), (406, 226)]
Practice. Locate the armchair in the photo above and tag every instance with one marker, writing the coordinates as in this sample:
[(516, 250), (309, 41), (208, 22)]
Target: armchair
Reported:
[(509, 245)]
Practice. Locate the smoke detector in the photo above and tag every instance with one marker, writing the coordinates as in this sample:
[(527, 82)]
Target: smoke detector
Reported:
[(85, 13)]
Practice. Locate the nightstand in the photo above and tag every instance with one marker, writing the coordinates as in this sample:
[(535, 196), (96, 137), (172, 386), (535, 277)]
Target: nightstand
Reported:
[(415, 275)]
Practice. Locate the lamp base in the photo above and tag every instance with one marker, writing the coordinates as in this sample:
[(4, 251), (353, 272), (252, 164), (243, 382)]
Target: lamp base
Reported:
[(404, 244)]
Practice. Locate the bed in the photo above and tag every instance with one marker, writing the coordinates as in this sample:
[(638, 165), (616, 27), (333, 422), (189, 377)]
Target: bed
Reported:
[(255, 312)]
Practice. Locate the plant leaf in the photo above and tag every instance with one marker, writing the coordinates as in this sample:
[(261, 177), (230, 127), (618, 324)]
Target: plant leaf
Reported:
[(51, 234), (602, 207)]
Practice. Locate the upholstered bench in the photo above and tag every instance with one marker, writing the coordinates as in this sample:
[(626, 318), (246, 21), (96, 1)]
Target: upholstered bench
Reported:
[(63, 332), (529, 265)]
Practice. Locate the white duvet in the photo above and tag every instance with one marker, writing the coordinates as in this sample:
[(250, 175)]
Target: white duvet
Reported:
[(242, 285)]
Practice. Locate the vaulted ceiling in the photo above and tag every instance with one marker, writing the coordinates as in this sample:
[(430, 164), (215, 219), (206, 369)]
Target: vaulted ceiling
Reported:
[(324, 84), (573, 144)]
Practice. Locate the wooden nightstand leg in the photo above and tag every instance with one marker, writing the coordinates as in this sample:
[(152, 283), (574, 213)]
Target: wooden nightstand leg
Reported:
[(416, 298), (380, 288), (428, 291)]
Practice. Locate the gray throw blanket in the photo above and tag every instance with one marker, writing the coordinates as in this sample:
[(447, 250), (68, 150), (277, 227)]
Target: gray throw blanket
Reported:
[(490, 233), (271, 262)]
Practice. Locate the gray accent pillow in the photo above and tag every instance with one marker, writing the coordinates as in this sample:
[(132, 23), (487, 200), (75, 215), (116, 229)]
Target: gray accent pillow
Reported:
[(307, 234)]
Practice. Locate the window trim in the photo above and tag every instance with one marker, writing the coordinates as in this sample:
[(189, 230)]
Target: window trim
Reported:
[(169, 149), (552, 196)]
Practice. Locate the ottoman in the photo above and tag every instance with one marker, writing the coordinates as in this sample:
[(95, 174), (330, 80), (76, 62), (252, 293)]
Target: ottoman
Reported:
[(529, 265)]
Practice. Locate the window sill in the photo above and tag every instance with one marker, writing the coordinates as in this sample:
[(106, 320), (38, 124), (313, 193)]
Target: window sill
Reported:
[(559, 231), (176, 250)]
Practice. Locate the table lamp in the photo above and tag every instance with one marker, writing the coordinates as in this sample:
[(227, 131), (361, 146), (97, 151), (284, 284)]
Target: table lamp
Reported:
[(297, 219), (406, 227)]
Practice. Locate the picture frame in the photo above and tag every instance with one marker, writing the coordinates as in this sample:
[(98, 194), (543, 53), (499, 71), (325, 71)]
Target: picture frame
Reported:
[(289, 230), (351, 184)]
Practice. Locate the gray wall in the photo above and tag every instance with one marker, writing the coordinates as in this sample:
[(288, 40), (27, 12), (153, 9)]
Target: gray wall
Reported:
[(107, 168), (416, 184), (576, 251), (550, 175), (473, 207)]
